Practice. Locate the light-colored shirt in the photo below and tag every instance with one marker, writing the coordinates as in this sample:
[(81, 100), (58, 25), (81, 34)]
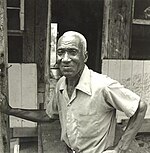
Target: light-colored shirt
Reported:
[(88, 118)]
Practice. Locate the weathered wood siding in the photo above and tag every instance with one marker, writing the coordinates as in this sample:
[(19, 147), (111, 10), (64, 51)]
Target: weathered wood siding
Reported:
[(133, 74), (4, 122), (22, 90), (40, 39), (116, 29), (29, 32)]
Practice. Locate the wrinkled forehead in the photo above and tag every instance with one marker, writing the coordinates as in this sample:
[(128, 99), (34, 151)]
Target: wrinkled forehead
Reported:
[(69, 41)]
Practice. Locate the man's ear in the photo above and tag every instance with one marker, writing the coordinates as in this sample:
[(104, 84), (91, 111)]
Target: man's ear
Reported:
[(85, 57)]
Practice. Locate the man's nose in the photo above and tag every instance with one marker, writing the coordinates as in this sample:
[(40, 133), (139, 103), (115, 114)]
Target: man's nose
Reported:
[(66, 57)]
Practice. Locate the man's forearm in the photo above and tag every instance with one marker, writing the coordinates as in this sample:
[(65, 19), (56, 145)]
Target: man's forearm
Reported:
[(32, 115), (132, 128)]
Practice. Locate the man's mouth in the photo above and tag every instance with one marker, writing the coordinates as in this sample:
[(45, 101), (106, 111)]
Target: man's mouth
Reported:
[(66, 66)]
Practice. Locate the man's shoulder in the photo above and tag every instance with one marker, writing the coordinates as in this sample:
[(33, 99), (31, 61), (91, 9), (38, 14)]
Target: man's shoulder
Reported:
[(101, 80)]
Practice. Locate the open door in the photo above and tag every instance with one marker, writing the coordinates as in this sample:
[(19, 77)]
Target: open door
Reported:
[(85, 17)]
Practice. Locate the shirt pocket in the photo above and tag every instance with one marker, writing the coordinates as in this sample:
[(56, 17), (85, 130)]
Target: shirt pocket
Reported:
[(88, 125)]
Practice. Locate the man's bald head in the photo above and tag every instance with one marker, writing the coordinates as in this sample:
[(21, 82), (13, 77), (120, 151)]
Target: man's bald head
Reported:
[(71, 54), (75, 35)]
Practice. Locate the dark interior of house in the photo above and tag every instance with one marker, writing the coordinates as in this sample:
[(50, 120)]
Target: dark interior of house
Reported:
[(84, 16)]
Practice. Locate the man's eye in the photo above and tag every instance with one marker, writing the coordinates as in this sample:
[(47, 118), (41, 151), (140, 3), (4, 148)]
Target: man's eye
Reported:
[(60, 52), (73, 52)]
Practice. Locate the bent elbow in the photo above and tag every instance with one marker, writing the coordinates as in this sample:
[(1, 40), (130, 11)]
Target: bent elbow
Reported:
[(142, 106)]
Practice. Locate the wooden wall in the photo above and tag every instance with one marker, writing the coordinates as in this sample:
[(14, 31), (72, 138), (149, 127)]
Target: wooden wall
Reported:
[(133, 74), (34, 38), (22, 79), (29, 32), (116, 29), (4, 122)]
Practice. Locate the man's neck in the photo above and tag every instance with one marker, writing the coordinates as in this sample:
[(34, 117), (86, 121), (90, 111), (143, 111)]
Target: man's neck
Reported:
[(72, 83)]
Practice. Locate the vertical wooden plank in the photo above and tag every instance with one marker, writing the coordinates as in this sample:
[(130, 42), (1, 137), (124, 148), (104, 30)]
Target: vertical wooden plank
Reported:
[(50, 50), (105, 30), (137, 77), (114, 69), (22, 15), (54, 73), (146, 86), (125, 73), (4, 123), (29, 90), (105, 67), (41, 13), (53, 44), (40, 39), (14, 80), (46, 74), (40, 100), (29, 35), (116, 40), (41, 44)]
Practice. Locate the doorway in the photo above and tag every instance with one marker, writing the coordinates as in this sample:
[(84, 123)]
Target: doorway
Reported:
[(86, 17)]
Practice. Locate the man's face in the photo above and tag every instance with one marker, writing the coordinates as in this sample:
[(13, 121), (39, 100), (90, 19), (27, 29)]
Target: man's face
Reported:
[(70, 56)]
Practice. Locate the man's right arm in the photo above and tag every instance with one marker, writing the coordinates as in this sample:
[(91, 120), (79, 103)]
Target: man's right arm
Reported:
[(31, 114), (28, 114)]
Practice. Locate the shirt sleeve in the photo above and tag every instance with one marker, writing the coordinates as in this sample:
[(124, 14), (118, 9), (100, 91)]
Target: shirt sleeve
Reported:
[(52, 108), (122, 98)]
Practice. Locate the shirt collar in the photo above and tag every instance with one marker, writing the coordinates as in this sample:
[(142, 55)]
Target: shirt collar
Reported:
[(84, 84)]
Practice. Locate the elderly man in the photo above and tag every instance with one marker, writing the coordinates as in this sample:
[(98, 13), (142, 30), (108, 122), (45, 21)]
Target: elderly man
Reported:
[(86, 103)]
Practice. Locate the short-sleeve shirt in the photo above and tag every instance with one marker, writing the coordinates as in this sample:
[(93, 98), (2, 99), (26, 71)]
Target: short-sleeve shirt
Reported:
[(88, 118)]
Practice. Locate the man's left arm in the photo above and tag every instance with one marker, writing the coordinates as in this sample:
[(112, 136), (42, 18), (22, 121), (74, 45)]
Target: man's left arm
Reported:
[(131, 130)]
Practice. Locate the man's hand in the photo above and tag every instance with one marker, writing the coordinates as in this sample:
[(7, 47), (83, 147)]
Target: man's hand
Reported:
[(4, 106)]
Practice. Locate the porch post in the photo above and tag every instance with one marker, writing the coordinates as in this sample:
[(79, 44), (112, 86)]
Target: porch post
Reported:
[(4, 121)]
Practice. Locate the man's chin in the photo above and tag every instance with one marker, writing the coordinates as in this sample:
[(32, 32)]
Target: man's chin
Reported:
[(68, 74)]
